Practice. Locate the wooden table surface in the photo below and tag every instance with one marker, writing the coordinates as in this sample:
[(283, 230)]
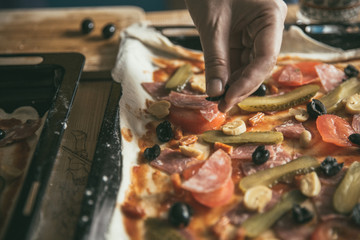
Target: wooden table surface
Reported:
[(58, 30)]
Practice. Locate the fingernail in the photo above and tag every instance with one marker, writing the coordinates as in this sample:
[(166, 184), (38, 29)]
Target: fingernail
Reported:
[(214, 87), (222, 106)]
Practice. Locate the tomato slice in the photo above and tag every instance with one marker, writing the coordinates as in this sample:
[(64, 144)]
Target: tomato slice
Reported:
[(218, 197), (297, 74), (335, 229), (334, 129), (191, 120)]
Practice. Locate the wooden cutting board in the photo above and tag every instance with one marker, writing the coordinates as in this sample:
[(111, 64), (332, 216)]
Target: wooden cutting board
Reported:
[(58, 30)]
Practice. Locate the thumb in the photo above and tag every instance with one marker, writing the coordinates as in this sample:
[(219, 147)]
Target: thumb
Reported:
[(215, 44)]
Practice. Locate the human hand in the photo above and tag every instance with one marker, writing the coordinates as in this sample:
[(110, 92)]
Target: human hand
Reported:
[(241, 40)]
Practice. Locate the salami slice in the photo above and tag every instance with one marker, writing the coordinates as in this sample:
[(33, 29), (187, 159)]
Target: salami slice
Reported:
[(212, 175), (329, 75), (290, 75)]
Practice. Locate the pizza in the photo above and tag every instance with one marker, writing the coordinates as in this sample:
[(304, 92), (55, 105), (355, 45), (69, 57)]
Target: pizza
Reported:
[(282, 164), (19, 134)]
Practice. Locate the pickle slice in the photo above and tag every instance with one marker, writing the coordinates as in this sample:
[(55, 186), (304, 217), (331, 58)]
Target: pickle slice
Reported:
[(179, 79), (333, 100), (347, 194), (270, 176), (266, 137), (280, 102), (259, 223), (161, 229)]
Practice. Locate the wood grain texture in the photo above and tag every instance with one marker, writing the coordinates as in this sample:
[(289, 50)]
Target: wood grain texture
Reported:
[(62, 202), (58, 30)]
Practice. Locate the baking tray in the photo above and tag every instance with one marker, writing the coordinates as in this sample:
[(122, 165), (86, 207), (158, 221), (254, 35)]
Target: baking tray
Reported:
[(340, 35), (49, 86)]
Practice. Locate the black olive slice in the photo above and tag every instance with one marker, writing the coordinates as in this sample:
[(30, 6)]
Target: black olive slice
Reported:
[(2, 134), (355, 138), (301, 214), (261, 91), (351, 71), (330, 166), (260, 155), (315, 108), (355, 215), (180, 214), (152, 153), (164, 131)]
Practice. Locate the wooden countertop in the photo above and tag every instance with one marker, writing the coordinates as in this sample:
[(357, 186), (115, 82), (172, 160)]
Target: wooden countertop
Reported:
[(58, 30)]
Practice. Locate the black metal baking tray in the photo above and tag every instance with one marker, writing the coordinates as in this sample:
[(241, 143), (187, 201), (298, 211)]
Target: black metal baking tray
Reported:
[(104, 179), (49, 86), (340, 35)]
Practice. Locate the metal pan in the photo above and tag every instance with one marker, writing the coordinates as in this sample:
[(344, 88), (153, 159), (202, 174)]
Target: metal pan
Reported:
[(49, 85)]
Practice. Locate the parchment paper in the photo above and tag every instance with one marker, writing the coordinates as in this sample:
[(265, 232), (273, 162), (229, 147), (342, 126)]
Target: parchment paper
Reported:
[(134, 66)]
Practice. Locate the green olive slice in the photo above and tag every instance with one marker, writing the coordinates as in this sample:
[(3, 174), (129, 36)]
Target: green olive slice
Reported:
[(347, 194), (266, 137), (179, 79), (270, 176), (279, 102), (334, 99)]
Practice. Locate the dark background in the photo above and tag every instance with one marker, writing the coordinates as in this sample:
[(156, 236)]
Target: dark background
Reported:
[(147, 5)]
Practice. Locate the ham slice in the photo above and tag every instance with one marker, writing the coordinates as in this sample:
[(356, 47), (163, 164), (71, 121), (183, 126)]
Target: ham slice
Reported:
[(156, 89), (329, 75), (287, 229), (240, 214), (208, 110), (171, 161), (245, 152), (278, 156), (323, 202), (190, 101), (290, 129), (212, 175)]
